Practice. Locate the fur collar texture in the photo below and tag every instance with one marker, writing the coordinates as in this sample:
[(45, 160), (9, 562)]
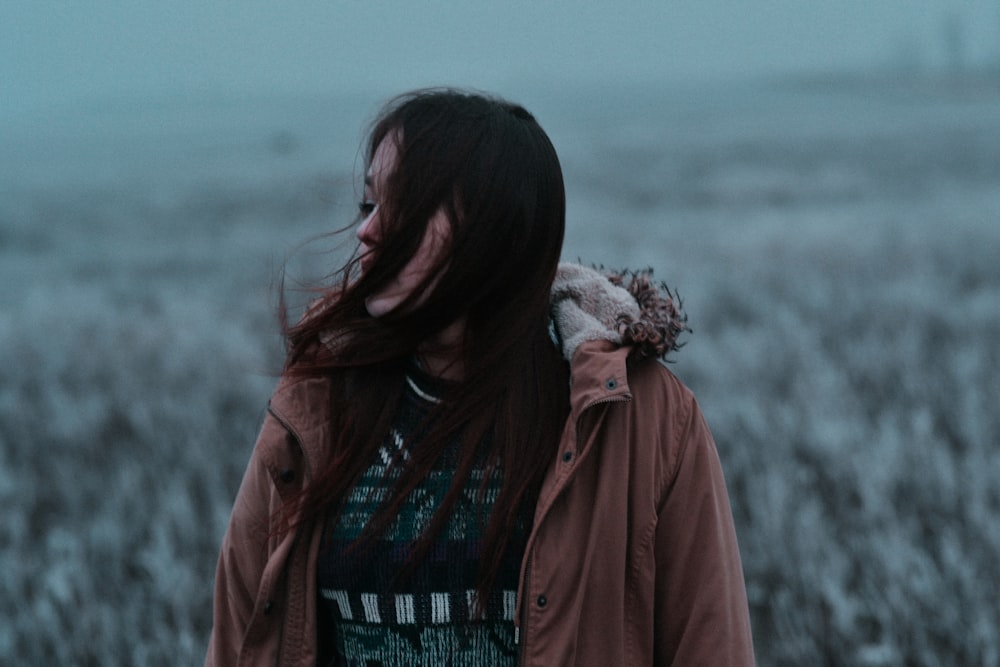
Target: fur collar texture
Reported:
[(625, 308)]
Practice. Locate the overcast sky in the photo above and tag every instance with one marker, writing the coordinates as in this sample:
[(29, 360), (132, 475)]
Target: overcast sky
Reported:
[(59, 52)]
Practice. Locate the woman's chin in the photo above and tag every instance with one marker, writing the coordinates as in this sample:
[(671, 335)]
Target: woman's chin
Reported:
[(379, 306)]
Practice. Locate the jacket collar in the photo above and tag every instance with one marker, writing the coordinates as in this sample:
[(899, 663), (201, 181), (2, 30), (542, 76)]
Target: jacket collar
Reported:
[(625, 309), (598, 373)]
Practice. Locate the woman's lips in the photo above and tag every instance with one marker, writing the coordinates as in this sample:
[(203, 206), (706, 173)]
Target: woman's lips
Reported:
[(366, 261)]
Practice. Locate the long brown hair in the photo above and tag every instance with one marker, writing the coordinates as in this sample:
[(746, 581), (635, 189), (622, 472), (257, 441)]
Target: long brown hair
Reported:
[(494, 172)]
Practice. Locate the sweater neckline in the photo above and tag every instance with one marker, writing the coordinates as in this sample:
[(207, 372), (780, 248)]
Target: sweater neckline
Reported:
[(425, 386)]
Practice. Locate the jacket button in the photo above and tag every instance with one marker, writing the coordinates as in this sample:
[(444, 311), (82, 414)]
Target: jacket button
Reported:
[(542, 601), (287, 475), (268, 606), (611, 384), (567, 457)]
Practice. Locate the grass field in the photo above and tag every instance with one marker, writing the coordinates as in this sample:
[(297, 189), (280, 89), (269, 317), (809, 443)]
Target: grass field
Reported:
[(836, 245)]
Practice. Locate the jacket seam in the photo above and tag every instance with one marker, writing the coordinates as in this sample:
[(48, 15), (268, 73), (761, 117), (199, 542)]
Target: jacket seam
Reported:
[(680, 444), (631, 627)]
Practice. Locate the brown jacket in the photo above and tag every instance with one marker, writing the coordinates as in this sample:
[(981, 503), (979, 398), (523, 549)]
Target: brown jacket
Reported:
[(632, 559)]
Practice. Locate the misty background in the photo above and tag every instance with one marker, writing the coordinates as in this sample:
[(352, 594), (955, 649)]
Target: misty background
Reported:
[(819, 181), (58, 53)]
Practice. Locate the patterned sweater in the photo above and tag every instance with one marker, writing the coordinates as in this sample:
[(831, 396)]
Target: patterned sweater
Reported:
[(428, 617)]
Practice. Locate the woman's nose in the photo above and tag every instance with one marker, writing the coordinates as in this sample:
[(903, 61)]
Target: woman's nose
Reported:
[(368, 230)]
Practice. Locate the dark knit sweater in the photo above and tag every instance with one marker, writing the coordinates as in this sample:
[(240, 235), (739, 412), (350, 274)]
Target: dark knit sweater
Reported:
[(378, 620)]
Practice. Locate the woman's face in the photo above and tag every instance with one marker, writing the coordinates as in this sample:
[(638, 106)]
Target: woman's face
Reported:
[(370, 233)]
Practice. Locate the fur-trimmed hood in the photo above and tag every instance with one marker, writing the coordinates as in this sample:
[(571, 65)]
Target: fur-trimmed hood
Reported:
[(626, 308)]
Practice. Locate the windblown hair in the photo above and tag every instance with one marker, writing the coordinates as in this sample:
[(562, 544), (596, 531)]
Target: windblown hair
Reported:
[(493, 171)]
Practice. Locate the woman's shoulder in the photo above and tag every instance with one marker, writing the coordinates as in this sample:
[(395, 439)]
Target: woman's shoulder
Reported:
[(651, 379), (668, 417), (299, 397)]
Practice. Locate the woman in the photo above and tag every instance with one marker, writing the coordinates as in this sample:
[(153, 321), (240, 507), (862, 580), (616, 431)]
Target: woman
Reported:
[(472, 456)]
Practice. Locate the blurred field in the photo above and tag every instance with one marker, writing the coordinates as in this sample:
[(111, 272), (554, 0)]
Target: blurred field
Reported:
[(836, 244)]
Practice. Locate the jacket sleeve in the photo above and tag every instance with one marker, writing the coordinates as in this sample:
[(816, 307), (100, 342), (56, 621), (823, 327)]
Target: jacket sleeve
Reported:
[(243, 555), (701, 606)]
